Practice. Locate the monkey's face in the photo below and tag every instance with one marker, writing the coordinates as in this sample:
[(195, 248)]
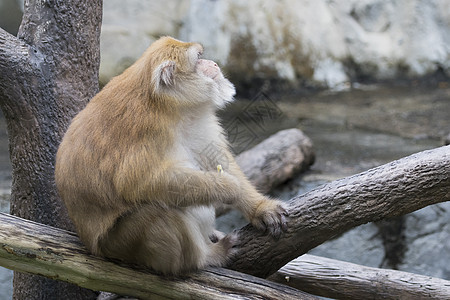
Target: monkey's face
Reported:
[(209, 69), (180, 73)]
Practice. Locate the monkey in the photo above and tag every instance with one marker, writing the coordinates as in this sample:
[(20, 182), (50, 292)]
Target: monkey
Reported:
[(133, 174)]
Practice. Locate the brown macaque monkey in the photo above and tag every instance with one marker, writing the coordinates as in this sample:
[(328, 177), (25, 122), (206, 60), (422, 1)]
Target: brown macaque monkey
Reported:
[(133, 172)]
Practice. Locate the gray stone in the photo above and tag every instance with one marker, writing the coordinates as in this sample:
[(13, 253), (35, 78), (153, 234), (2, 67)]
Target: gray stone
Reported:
[(323, 41), (427, 237), (361, 245)]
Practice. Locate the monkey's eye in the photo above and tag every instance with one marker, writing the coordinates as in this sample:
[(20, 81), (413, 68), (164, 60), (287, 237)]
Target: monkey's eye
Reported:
[(199, 54)]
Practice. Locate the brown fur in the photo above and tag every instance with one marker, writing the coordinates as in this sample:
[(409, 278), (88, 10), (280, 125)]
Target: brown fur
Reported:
[(131, 172)]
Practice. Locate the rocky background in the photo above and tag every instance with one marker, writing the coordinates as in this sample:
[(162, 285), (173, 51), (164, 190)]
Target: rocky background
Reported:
[(324, 43), (344, 49), (317, 42)]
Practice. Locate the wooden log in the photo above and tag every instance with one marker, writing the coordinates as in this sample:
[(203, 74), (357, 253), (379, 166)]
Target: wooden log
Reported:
[(277, 159), (342, 280), (390, 190), (39, 249)]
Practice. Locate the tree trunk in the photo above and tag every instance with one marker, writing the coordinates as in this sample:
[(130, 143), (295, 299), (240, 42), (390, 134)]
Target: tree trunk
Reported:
[(47, 74)]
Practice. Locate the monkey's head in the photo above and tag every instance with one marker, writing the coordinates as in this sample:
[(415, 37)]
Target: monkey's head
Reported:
[(177, 71)]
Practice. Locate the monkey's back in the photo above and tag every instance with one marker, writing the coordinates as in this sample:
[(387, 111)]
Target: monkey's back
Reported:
[(115, 137)]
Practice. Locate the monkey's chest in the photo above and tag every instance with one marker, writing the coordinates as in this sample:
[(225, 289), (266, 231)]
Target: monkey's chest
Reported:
[(200, 153)]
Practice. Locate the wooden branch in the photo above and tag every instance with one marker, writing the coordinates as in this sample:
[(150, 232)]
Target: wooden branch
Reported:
[(390, 190), (11, 49), (341, 280), (66, 33), (14, 59), (277, 159), (34, 248)]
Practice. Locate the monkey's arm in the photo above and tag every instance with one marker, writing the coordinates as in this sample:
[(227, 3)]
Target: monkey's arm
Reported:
[(181, 187), (262, 212), (191, 187)]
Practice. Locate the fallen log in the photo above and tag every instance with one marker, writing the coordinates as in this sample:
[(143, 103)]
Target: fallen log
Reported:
[(277, 159), (342, 280)]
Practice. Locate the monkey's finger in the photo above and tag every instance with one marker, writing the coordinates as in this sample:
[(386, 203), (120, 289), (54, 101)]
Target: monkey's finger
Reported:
[(275, 224)]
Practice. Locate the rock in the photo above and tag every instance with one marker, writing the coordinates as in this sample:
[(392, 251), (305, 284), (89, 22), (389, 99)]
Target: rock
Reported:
[(446, 140), (427, 233), (361, 245), (317, 41), (130, 27)]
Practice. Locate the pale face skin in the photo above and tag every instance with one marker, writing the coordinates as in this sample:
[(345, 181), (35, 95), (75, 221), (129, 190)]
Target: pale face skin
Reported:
[(208, 68)]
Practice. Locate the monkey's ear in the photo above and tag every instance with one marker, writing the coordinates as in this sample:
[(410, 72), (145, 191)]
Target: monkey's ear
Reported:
[(164, 74)]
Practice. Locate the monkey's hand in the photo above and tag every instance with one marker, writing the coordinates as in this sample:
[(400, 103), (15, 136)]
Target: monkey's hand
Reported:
[(270, 216)]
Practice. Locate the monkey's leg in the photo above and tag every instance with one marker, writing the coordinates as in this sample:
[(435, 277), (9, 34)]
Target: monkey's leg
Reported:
[(170, 241)]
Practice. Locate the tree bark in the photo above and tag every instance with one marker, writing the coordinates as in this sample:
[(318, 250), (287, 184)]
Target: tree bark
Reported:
[(393, 189), (342, 280), (47, 74), (32, 247)]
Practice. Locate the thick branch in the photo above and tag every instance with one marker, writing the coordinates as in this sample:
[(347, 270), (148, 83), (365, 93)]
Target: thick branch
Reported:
[(31, 247), (390, 190), (67, 34), (14, 59), (12, 51), (341, 280), (39, 98)]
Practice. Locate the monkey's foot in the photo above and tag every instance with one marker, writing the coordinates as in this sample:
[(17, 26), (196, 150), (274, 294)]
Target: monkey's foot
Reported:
[(216, 235), (223, 250), (229, 242)]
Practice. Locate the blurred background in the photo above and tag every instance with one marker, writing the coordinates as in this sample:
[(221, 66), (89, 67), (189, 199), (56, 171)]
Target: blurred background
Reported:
[(366, 80)]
